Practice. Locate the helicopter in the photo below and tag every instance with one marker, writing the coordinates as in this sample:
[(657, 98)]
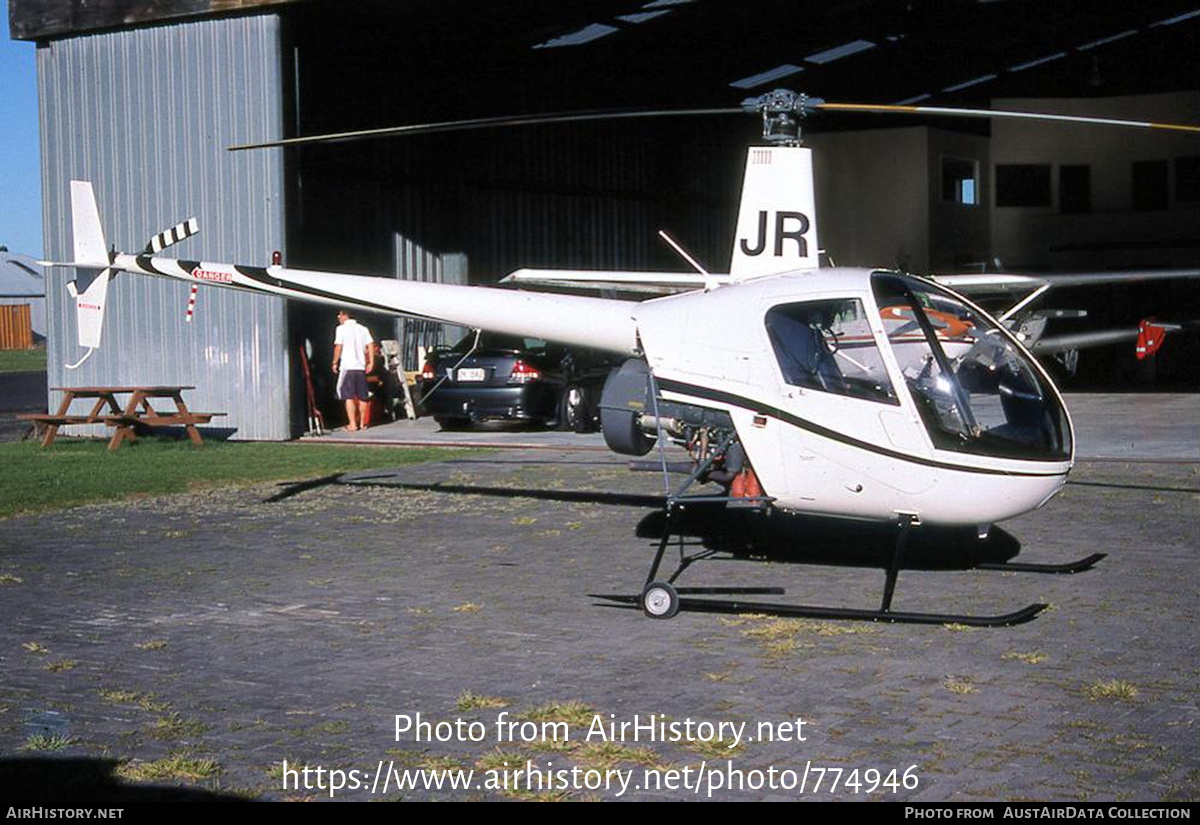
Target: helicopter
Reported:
[(858, 393)]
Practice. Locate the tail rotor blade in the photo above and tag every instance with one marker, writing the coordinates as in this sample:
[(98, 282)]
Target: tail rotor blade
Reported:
[(178, 232)]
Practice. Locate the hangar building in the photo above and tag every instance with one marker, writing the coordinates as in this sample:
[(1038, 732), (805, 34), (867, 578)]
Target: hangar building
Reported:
[(142, 97)]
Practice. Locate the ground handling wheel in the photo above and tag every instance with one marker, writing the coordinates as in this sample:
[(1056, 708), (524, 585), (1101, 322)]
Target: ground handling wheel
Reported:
[(659, 600)]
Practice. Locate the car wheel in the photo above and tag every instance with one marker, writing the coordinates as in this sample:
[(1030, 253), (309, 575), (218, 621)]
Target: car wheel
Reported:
[(574, 411), (452, 424)]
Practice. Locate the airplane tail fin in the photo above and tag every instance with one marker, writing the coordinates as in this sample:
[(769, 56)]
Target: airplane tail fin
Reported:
[(777, 221), (1151, 334)]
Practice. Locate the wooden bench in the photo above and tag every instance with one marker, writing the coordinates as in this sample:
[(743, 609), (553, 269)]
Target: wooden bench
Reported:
[(127, 425), (137, 411)]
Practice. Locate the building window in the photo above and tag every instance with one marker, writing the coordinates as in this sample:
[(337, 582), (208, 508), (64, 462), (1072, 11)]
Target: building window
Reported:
[(1149, 185), (960, 181), (1022, 184), (1187, 179), (1074, 189)]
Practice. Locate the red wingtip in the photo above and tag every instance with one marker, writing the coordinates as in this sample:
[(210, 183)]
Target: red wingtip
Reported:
[(1150, 337)]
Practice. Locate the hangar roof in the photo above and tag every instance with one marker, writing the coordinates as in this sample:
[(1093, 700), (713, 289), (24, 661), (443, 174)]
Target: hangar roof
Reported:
[(656, 52)]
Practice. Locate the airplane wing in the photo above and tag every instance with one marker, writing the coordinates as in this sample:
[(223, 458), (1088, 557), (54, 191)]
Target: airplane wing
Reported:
[(1148, 335), (657, 283), (1031, 287), (1052, 344), (994, 282)]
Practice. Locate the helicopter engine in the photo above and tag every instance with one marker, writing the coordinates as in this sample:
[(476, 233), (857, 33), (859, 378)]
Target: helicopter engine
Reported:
[(631, 419)]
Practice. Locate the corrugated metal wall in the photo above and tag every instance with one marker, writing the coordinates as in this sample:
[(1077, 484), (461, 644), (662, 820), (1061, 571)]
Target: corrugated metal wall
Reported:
[(414, 263), (146, 115)]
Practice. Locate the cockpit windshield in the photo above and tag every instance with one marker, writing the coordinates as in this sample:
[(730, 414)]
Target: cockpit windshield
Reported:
[(977, 391)]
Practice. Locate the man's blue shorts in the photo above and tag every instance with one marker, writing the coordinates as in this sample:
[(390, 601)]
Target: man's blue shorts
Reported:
[(352, 384)]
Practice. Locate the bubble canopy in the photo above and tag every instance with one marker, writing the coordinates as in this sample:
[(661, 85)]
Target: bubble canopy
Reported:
[(978, 391)]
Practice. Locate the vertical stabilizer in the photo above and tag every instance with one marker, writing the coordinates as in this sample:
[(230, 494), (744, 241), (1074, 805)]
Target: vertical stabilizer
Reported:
[(91, 262), (777, 220), (89, 308), (90, 248)]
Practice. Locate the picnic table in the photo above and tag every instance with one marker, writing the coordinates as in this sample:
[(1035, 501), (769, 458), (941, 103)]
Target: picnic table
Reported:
[(123, 418)]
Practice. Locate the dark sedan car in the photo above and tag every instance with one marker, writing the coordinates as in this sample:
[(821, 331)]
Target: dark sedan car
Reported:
[(513, 378)]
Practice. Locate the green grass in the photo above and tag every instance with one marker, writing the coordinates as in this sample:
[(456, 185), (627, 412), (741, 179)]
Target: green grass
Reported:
[(467, 700), (78, 472), (23, 360), (180, 765), (48, 742), (1117, 689)]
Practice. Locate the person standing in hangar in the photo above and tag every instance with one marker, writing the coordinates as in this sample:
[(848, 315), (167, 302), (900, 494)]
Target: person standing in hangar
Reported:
[(353, 358)]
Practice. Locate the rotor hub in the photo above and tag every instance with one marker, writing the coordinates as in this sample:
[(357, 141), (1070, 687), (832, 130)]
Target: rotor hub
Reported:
[(782, 110)]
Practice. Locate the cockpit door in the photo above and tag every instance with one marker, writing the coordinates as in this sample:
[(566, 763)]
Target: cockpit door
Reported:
[(844, 434)]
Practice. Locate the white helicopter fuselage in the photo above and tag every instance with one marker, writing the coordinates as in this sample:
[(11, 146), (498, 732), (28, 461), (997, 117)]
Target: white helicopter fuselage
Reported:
[(825, 452)]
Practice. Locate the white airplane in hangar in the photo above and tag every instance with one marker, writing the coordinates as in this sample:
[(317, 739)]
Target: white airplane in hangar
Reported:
[(859, 393)]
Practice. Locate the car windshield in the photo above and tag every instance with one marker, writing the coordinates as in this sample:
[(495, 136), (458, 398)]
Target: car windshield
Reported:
[(492, 340), (977, 390)]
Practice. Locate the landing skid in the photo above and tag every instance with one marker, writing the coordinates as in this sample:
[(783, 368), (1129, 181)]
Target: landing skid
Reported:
[(662, 599), (833, 613), (1078, 566)]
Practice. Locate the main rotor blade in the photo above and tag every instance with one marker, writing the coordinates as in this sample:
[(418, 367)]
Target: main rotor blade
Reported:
[(992, 113), (488, 123), (627, 114)]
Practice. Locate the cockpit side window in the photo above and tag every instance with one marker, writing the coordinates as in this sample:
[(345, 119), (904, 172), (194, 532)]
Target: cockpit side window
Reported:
[(828, 346)]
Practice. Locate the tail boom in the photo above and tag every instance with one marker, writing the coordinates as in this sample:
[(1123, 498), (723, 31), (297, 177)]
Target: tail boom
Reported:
[(571, 319)]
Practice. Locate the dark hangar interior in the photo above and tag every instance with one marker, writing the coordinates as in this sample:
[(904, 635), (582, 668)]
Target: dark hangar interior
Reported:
[(593, 195)]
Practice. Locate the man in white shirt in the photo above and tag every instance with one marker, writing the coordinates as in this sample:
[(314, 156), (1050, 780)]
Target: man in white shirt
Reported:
[(353, 358)]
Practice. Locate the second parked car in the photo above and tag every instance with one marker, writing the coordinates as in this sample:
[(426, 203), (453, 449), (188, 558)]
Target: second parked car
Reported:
[(503, 377)]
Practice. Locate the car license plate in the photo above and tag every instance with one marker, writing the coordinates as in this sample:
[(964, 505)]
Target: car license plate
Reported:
[(470, 374)]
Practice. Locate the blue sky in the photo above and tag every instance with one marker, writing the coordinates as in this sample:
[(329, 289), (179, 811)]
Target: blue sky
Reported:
[(20, 164)]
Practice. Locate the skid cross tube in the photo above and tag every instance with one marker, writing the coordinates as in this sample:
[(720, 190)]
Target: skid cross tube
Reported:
[(904, 524), (662, 544)]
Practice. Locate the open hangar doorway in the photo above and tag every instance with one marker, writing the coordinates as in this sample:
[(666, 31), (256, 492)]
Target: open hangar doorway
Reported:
[(471, 207), (594, 194)]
